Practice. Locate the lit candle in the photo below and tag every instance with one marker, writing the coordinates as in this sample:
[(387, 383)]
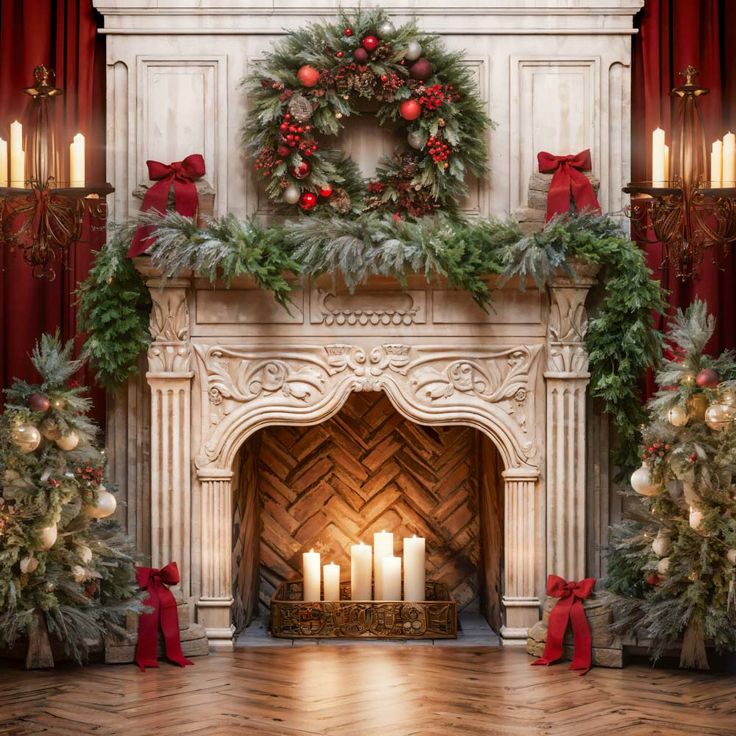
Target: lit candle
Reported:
[(391, 579), (360, 572), (331, 578), (3, 163), (310, 565), (414, 568), (667, 165), (76, 161), (383, 546), (17, 156), (716, 164), (658, 156), (729, 160)]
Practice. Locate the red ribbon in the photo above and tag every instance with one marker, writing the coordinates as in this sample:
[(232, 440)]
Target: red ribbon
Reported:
[(181, 175), (568, 181), (162, 600), (570, 608)]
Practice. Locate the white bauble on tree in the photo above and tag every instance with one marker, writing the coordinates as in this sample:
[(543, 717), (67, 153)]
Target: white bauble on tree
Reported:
[(79, 573), (416, 139), (385, 29), (28, 565), (663, 566), (85, 553), (642, 483), (677, 416), (105, 505), (48, 536), (662, 544), (291, 194), (68, 442), (26, 437), (731, 555), (413, 50), (695, 518)]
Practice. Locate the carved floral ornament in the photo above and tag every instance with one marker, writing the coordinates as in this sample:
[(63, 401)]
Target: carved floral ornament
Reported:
[(238, 383)]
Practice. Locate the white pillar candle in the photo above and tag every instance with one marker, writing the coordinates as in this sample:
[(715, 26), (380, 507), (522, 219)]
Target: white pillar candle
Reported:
[(383, 546), (3, 163), (17, 156), (361, 569), (76, 161), (658, 157), (311, 569), (667, 164), (331, 580), (729, 160), (391, 579), (414, 568), (716, 164)]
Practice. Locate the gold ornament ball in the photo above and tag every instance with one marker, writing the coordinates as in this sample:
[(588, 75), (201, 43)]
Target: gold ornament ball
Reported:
[(68, 442), (677, 416), (26, 437), (641, 482), (58, 404), (662, 544), (695, 518), (28, 565), (663, 566), (687, 378), (48, 537), (731, 555), (696, 406), (719, 416), (728, 396), (85, 553), (105, 505)]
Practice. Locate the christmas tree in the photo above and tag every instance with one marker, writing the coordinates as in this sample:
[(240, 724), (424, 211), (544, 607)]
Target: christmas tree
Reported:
[(672, 570), (64, 571)]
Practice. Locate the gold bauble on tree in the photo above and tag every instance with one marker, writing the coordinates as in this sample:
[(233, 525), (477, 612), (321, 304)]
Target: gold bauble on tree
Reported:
[(26, 437), (687, 378), (663, 566), (48, 537), (677, 416), (104, 505), (68, 442), (662, 544), (696, 406), (728, 396), (720, 416), (642, 483), (50, 430)]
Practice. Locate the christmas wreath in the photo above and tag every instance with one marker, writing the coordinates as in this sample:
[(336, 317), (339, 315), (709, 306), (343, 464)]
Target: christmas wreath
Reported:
[(319, 75)]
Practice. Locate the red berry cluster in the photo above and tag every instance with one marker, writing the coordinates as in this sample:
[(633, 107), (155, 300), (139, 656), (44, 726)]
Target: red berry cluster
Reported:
[(272, 84), (435, 96), (375, 187), (438, 149), (265, 161), (291, 132), (656, 451), (391, 82), (90, 475)]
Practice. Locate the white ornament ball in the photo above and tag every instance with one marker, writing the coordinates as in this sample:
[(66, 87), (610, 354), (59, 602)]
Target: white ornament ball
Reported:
[(28, 565), (386, 29), (85, 553), (663, 566), (106, 504), (26, 438), (696, 518), (662, 544), (719, 416), (79, 574), (416, 139), (413, 50), (641, 482), (291, 194), (731, 555), (677, 416), (728, 396), (48, 537), (68, 442)]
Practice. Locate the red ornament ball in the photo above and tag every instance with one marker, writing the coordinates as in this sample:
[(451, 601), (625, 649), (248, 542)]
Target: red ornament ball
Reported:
[(308, 200), (347, 32), (421, 69), (326, 190), (301, 170), (283, 151), (653, 579), (360, 55), (38, 402), (370, 43), (410, 109), (308, 75), (707, 378), (339, 54)]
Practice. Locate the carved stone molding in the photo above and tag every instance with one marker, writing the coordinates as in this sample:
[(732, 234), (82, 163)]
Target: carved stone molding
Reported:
[(365, 309), (169, 351)]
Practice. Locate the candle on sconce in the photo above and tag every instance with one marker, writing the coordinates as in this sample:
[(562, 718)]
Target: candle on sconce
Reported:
[(331, 581), (361, 569), (390, 579), (728, 177), (716, 164), (3, 163), (17, 156), (311, 573), (383, 546), (76, 161), (414, 568), (658, 158), (667, 165)]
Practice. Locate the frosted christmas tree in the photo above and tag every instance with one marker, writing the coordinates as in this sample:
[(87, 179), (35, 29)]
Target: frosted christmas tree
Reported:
[(65, 573), (673, 569)]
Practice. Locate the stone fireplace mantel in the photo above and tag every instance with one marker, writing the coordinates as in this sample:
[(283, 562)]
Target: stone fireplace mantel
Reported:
[(226, 362)]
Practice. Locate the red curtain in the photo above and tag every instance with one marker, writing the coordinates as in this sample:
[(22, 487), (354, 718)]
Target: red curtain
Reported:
[(62, 34), (673, 34)]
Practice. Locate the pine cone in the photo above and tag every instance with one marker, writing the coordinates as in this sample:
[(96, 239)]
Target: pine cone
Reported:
[(340, 201), (300, 108)]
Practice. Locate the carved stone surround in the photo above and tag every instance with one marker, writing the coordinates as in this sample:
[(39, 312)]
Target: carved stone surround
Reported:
[(227, 362)]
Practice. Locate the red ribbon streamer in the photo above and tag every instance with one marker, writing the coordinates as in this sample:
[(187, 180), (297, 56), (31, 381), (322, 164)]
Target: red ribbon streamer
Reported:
[(568, 181), (181, 175), (162, 600), (570, 608)]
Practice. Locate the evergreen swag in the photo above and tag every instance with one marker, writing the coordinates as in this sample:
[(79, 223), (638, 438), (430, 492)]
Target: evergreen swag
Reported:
[(621, 340), (672, 573), (62, 571), (321, 74)]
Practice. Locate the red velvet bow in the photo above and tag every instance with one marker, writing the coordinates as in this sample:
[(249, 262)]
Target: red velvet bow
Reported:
[(162, 600), (570, 608), (181, 175), (568, 180)]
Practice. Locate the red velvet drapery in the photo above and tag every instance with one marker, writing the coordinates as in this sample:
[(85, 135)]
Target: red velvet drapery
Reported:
[(673, 34), (62, 34)]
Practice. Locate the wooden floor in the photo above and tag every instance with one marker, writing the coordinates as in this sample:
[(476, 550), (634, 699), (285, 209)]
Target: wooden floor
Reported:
[(366, 691)]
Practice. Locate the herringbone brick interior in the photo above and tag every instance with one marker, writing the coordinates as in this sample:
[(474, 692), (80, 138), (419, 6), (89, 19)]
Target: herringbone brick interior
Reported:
[(366, 469)]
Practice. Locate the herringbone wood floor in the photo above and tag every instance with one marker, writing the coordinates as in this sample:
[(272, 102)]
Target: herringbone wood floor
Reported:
[(366, 691)]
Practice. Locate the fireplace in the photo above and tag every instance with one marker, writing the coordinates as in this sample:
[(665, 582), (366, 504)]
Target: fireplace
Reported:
[(228, 364)]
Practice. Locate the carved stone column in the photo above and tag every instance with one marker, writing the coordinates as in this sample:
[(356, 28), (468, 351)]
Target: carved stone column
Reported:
[(520, 601), (567, 378), (216, 519), (169, 376)]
